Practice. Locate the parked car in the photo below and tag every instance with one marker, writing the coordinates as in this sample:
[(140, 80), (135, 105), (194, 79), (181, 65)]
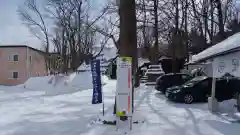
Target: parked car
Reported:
[(199, 89), (197, 72), (171, 79)]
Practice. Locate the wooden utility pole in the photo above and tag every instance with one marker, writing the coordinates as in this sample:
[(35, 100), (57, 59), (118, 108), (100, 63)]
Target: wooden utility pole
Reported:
[(175, 37), (128, 35), (156, 48), (128, 38)]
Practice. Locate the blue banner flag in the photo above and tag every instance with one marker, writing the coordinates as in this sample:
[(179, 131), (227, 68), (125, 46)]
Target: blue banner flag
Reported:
[(96, 80)]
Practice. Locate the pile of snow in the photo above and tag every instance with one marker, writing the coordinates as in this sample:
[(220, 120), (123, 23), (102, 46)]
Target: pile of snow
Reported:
[(29, 112), (39, 82), (141, 61), (82, 80), (228, 106), (84, 67), (61, 83), (33, 113), (144, 68), (104, 79), (49, 84)]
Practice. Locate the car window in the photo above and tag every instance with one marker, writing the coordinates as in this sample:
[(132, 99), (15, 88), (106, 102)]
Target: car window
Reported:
[(197, 79), (185, 77), (166, 79), (221, 84), (176, 79), (205, 83), (234, 85)]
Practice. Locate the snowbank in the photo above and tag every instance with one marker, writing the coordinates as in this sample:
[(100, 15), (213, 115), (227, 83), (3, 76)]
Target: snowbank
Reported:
[(61, 83), (49, 84), (82, 81), (228, 106), (105, 79), (84, 67), (37, 83), (29, 112), (141, 61)]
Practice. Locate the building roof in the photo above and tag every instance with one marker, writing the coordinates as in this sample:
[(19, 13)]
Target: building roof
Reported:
[(23, 46), (229, 45)]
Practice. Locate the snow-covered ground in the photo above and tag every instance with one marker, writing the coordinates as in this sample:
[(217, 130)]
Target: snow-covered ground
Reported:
[(36, 112), (45, 110), (163, 117)]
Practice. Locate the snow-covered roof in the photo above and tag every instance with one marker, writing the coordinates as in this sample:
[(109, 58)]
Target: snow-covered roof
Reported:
[(143, 68), (164, 57), (229, 44), (154, 72), (155, 66), (141, 61)]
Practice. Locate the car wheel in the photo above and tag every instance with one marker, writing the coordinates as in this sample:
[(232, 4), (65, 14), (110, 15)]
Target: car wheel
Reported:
[(188, 98)]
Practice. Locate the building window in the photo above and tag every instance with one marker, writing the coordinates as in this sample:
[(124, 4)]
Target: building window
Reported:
[(14, 75), (13, 57), (30, 59)]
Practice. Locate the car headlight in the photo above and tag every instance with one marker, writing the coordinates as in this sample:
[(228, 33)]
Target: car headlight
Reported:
[(176, 91)]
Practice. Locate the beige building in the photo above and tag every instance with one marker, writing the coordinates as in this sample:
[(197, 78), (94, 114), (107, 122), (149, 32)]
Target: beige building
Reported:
[(19, 62)]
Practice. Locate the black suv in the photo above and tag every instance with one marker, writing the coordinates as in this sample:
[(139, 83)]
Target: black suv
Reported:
[(199, 89), (171, 79)]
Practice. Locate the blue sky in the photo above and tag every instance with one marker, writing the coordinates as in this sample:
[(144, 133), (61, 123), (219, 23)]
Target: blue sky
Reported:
[(12, 31)]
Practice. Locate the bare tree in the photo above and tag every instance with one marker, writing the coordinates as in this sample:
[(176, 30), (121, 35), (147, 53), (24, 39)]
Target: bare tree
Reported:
[(74, 36), (36, 23)]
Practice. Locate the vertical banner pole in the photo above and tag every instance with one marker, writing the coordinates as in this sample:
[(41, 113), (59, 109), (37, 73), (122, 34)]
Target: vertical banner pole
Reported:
[(103, 108), (103, 103), (96, 80)]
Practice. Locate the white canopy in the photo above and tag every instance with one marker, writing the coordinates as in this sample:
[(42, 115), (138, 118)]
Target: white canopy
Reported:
[(225, 58), (226, 64), (228, 44)]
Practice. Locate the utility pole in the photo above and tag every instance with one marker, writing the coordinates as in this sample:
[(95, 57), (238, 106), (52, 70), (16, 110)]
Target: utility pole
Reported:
[(128, 35), (156, 48), (175, 37), (128, 38)]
